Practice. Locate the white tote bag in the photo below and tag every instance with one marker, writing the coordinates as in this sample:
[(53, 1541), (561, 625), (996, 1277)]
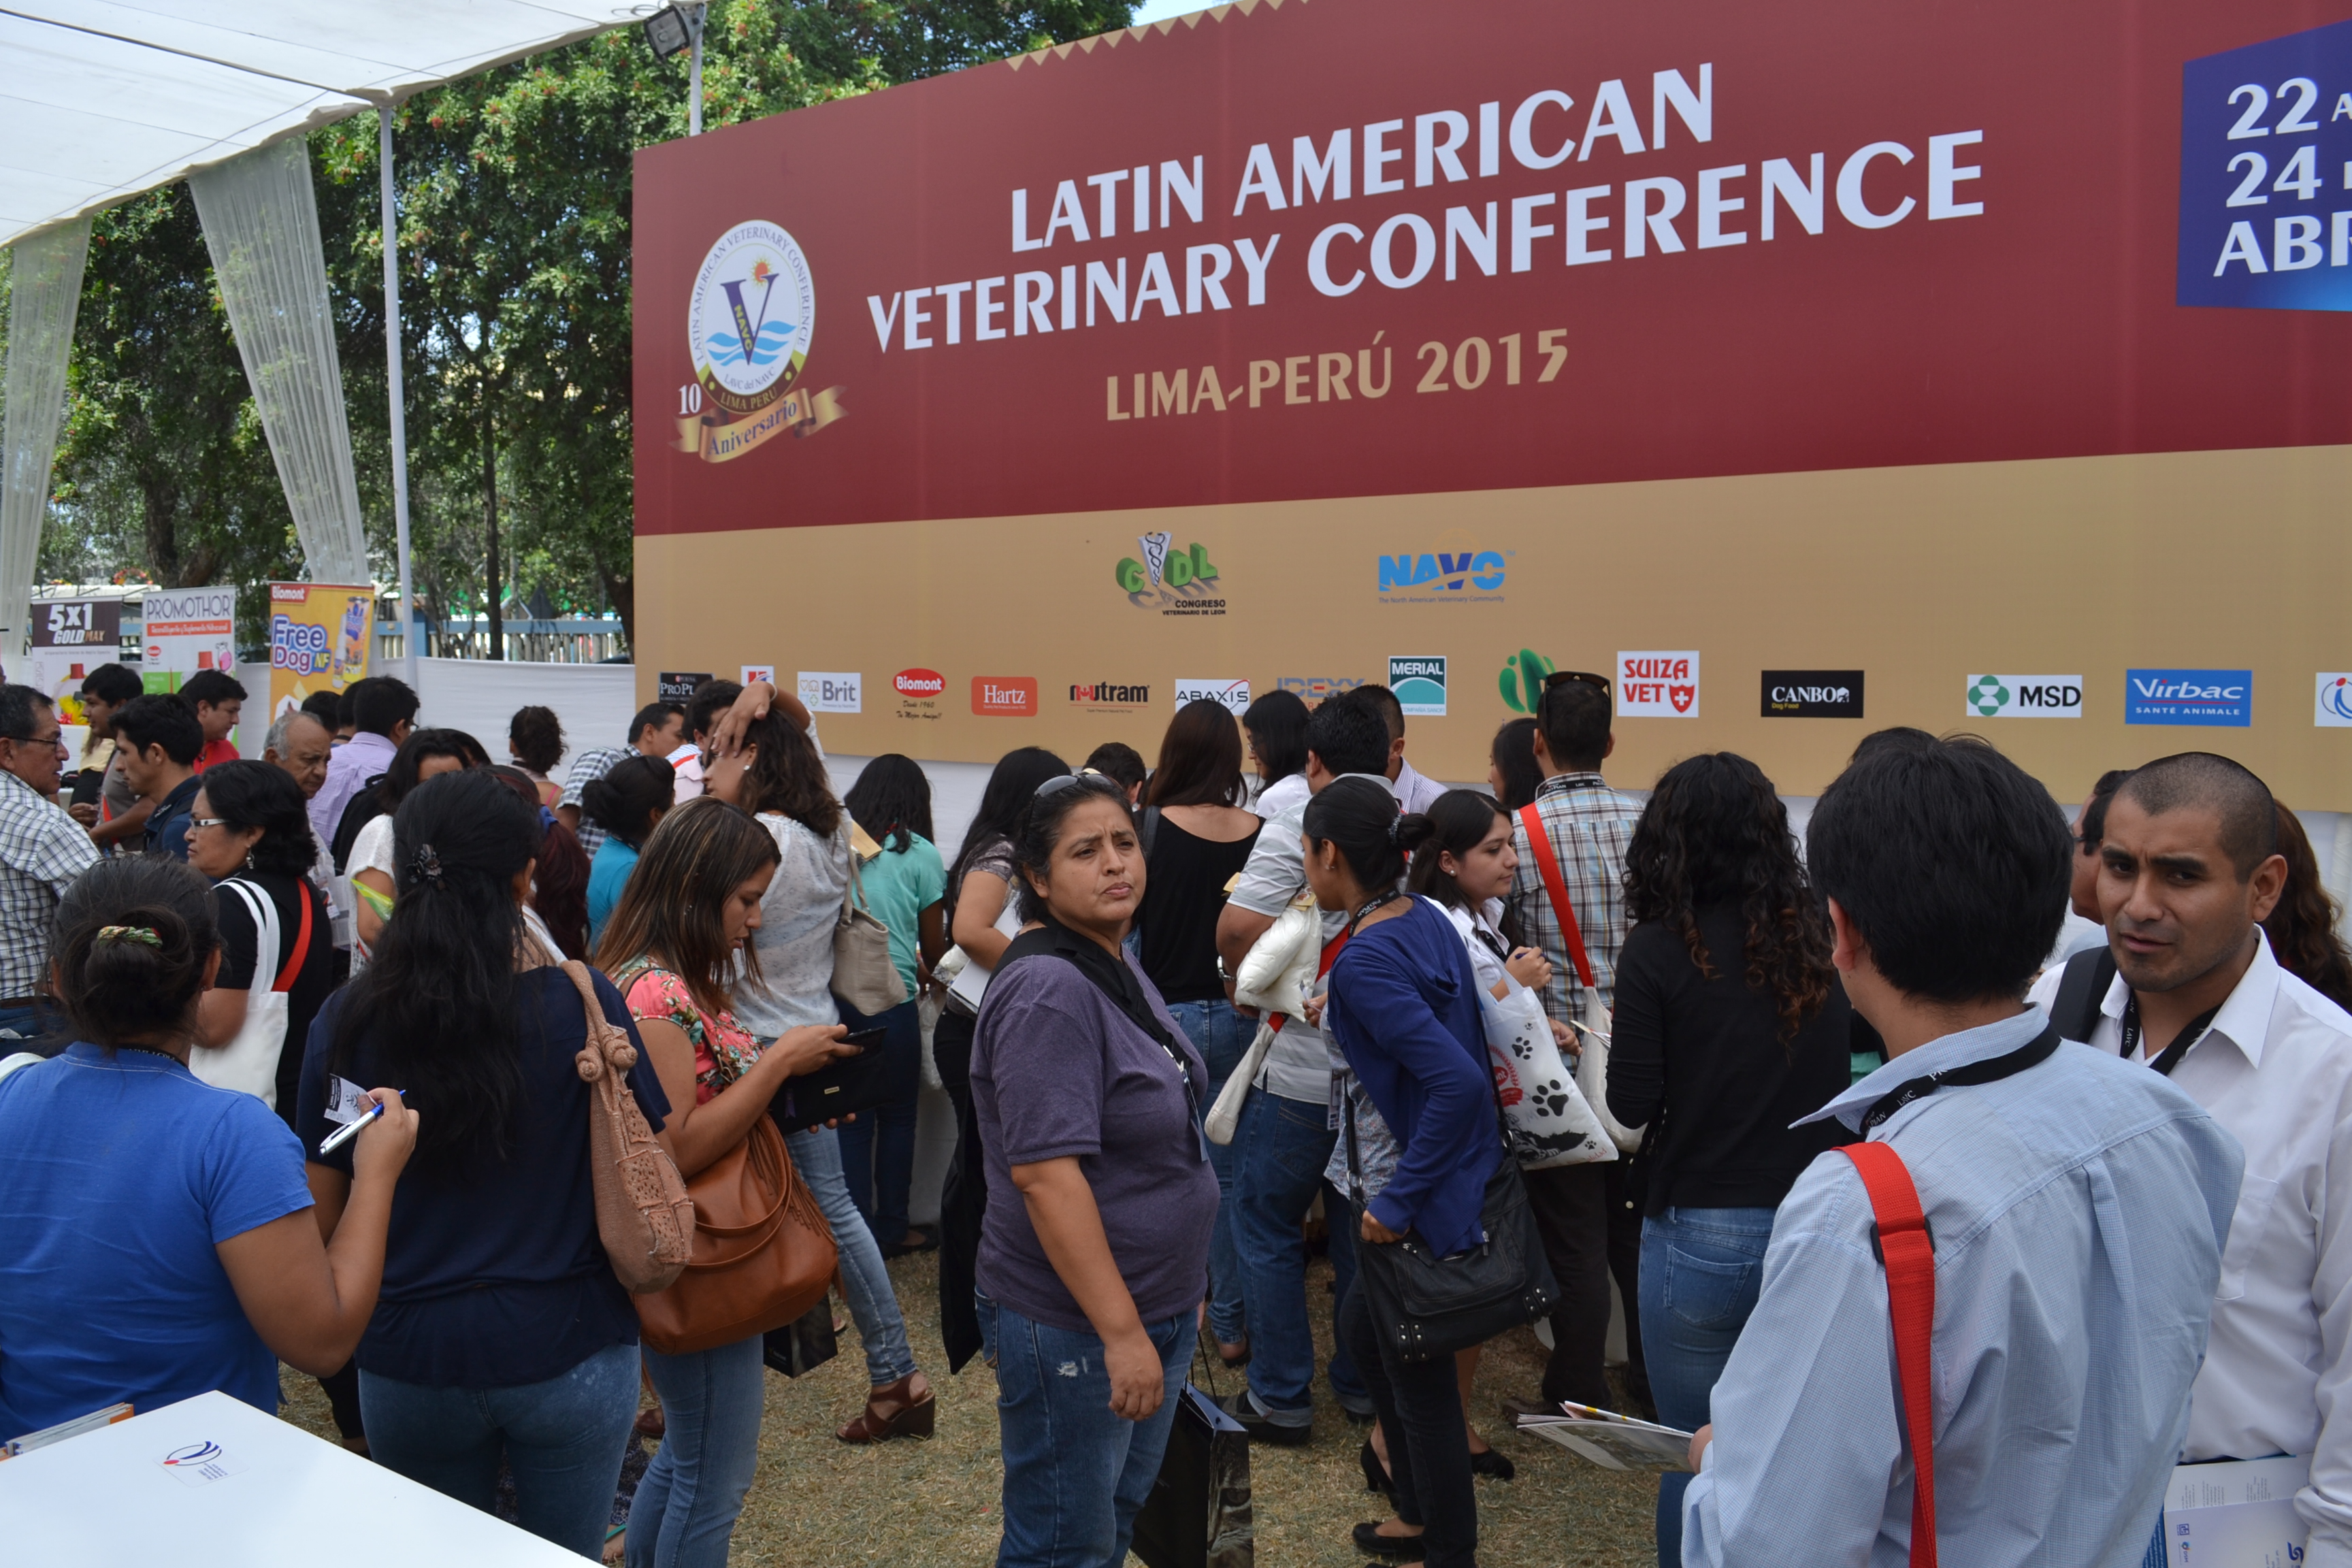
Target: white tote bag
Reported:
[(1592, 1019), (969, 980), (249, 1062), (1545, 1114)]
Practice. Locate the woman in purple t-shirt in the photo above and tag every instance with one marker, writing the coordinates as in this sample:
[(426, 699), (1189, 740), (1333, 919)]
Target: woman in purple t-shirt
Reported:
[(1100, 1194)]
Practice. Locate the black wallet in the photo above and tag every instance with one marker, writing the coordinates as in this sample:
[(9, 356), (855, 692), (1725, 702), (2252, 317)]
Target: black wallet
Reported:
[(842, 1087)]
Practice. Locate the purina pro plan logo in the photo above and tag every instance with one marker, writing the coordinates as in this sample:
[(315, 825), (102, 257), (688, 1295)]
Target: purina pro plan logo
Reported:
[(2025, 696), (1418, 683)]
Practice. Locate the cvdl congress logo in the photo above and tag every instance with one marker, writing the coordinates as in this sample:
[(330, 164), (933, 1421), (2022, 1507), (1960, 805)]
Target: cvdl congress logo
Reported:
[(1174, 582), (749, 324)]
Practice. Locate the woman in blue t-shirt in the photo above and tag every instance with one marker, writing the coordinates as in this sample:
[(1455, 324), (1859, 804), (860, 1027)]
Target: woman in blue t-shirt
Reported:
[(502, 1327), (155, 1242), (626, 803)]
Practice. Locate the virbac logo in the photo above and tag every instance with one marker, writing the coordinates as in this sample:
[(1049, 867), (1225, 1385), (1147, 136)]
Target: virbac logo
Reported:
[(1448, 572)]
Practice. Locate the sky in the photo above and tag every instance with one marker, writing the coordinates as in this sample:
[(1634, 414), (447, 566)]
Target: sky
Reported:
[(1160, 10)]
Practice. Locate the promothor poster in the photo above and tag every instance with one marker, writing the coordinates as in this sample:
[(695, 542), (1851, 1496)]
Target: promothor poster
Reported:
[(70, 637), (1897, 344), (321, 635), (186, 630)]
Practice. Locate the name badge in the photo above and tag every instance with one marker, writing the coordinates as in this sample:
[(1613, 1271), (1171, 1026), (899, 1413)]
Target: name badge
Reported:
[(346, 1101)]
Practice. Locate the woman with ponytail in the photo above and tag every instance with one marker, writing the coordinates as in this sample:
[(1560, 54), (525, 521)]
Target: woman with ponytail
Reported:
[(502, 1327), (1403, 1007), (155, 1235)]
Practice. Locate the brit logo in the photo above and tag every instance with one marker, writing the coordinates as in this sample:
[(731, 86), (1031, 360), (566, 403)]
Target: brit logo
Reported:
[(2208, 698)]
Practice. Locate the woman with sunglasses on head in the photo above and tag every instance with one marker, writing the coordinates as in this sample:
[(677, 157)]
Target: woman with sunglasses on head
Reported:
[(677, 945), (1402, 1005), (1101, 1197), (779, 776)]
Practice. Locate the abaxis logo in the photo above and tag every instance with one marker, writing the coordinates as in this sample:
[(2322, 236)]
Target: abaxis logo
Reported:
[(1233, 696), (2207, 698)]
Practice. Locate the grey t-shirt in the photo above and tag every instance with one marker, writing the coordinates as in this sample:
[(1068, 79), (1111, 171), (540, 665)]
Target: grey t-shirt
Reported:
[(1059, 1069), (1298, 1065)]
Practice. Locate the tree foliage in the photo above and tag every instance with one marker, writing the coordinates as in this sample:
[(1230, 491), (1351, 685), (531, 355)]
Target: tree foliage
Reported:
[(514, 191)]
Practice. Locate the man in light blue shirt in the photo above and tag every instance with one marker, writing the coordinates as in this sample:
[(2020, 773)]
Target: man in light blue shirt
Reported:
[(2077, 1207)]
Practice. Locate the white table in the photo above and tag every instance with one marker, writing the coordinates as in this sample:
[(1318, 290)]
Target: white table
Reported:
[(282, 1497)]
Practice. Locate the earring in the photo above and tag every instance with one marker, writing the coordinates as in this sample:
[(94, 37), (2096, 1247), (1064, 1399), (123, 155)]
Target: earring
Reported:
[(249, 860)]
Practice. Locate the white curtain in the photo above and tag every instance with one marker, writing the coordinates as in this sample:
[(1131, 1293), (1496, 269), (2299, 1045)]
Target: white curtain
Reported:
[(46, 289), (261, 225)]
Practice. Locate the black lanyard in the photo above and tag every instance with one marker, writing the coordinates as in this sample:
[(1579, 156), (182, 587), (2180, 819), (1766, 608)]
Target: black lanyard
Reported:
[(2033, 1053), (2170, 1058), (1367, 906)]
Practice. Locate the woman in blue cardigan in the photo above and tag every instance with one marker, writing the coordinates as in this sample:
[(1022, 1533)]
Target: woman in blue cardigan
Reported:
[(1404, 1007)]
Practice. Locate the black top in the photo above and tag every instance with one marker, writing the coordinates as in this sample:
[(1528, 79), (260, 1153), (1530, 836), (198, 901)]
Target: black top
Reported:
[(1183, 894), (313, 984), (1704, 1058)]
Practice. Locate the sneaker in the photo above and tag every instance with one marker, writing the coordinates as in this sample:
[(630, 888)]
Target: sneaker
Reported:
[(1263, 1428)]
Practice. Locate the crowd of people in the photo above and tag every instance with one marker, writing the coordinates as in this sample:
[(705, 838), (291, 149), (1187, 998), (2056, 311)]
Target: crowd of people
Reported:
[(1198, 1015)]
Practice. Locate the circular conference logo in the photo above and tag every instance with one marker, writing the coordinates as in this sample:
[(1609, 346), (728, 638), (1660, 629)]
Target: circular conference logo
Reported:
[(752, 314)]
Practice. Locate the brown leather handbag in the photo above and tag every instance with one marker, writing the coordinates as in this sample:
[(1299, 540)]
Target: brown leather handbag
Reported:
[(643, 1215), (763, 1253)]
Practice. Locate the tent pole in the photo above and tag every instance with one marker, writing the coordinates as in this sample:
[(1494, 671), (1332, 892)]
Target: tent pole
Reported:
[(409, 651), (694, 78)]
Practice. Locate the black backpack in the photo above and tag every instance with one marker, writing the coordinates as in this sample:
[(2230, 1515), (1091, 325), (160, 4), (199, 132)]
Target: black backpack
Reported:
[(2075, 1009), (363, 809)]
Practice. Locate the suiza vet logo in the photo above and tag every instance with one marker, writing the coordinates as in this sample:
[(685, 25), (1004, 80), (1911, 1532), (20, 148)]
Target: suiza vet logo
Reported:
[(1175, 582), (2206, 699)]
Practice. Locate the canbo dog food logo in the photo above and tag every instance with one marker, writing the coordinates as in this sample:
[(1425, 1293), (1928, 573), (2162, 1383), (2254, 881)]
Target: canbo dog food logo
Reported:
[(748, 323), (919, 694), (1173, 581), (1004, 696), (1813, 694)]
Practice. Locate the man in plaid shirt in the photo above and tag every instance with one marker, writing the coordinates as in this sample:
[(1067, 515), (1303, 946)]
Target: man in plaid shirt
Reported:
[(1590, 1228), (42, 850)]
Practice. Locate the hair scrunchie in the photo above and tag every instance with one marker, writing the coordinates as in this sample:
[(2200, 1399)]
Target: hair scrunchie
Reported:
[(143, 935), (1396, 831), (426, 866)]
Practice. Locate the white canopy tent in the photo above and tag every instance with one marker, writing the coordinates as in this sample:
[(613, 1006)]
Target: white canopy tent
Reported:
[(101, 100)]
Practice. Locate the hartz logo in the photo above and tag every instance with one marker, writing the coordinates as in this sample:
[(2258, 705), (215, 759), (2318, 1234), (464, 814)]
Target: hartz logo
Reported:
[(1444, 572), (918, 683), (1004, 696)]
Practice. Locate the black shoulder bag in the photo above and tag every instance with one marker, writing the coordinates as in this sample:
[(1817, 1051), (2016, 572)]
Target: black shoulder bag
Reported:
[(1428, 1305)]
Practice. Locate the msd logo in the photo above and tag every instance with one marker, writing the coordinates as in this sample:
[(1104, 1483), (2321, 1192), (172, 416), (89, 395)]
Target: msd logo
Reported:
[(2209, 699), (1444, 572), (1004, 696), (918, 683)]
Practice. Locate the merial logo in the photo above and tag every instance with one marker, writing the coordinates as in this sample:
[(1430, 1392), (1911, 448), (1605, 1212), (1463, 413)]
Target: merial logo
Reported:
[(1522, 679), (1446, 572), (1163, 566)]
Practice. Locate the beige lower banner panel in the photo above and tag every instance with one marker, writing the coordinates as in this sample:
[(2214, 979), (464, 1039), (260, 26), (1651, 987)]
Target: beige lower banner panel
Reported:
[(2034, 602)]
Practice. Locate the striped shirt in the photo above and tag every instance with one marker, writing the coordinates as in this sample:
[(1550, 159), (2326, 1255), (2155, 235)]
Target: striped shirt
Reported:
[(42, 850), (1589, 826), (586, 768)]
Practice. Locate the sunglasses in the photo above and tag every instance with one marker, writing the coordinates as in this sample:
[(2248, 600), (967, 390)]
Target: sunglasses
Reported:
[(1061, 782), (1560, 677)]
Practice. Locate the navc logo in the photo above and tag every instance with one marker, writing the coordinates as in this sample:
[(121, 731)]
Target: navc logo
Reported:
[(1443, 573), (2025, 696)]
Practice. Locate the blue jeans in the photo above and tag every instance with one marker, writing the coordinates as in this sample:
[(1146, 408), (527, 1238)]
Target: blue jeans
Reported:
[(1221, 1036), (865, 1281), (1076, 1474), (878, 1149), (29, 1023), (1701, 1272), (563, 1438), (1279, 1148), (684, 1510)]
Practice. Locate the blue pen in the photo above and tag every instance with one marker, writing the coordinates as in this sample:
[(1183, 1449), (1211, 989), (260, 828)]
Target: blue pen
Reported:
[(351, 1129)]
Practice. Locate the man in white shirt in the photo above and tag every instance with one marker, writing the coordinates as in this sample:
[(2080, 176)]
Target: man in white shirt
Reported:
[(1413, 792), (2188, 866)]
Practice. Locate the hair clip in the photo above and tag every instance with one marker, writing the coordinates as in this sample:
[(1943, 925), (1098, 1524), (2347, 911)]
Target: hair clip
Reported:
[(426, 866), (143, 935)]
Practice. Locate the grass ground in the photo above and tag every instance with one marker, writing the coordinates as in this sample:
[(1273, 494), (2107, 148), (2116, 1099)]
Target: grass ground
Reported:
[(818, 1503)]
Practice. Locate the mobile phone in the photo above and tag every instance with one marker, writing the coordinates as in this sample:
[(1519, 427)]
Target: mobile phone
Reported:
[(867, 1039)]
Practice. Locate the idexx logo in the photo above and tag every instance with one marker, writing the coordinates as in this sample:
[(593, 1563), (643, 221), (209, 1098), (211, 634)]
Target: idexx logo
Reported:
[(1233, 696), (1316, 687), (2212, 698), (2334, 709), (919, 692), (1004, 696), (1109, 694), (1423, 578), (1175, 582), (1658, 685), (2263, 129), (1522, 679), (2025, 696), (1418, 683), (831, 691), (1813, 694)]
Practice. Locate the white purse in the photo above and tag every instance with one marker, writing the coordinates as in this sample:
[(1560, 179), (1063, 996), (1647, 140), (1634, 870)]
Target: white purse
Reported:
[(249, 1063), (1545, 1114), (1273, 978), (1592, 1022), (968, 981)]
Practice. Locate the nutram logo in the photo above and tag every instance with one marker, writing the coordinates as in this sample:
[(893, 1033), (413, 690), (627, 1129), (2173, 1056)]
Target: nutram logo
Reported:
[(1004, 696), (918, 683), (1813, 694), (1109, 694)]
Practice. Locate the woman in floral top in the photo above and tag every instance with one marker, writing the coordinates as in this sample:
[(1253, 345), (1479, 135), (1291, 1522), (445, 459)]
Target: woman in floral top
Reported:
[(672, 946)]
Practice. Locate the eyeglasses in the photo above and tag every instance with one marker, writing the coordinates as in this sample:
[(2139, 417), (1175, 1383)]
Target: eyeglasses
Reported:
[(195, 822), (1559, 676)]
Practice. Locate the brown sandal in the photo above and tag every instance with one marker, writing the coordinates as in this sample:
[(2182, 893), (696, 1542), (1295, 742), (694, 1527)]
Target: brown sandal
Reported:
[(906, 1408)]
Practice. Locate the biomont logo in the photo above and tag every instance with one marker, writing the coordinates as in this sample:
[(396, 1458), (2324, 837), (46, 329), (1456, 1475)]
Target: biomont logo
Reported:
[(1463, 574), (920, 694)]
